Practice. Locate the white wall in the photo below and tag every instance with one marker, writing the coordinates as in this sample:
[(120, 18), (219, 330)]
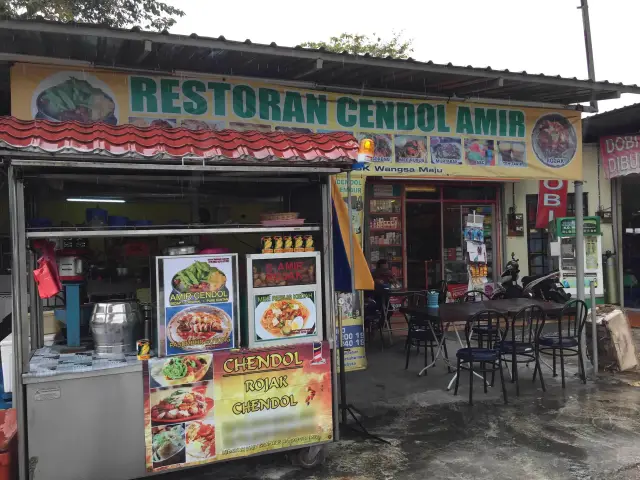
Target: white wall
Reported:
[(518, 245)]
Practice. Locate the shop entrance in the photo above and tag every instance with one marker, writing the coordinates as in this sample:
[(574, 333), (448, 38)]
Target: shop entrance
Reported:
[(631, 239), (436, 248), (419, 230), (424, 242)]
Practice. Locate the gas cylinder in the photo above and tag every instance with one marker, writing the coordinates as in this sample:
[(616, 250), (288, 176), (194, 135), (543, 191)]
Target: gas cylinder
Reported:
[(610, 278)]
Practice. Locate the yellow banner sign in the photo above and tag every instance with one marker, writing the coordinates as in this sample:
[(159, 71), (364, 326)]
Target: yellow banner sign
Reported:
[(416, 138), (350, 305), (209, 407)]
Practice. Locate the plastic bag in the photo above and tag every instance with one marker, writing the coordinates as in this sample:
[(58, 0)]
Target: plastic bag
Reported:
[(46, 275)]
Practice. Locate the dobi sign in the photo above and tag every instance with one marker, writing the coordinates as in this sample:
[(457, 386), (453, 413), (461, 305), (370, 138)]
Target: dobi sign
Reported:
[(620, 155), (552, 201)]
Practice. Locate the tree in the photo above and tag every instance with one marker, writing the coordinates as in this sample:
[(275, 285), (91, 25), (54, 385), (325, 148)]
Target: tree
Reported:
[(148, 14), (396, 47)]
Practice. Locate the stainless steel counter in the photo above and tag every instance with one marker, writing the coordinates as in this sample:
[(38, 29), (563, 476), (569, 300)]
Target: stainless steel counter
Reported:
[(87, 425), (29, 379), (49, 362)]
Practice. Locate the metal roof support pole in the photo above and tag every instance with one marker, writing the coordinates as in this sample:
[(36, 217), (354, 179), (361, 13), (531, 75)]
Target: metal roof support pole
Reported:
[(329, 296), (19, 323), (584, 6), (579, 208)]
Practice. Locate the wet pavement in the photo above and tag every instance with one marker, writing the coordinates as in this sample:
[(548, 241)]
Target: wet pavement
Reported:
[(584, 432)]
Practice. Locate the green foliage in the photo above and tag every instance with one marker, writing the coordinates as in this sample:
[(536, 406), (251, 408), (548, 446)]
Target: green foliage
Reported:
[(396, 47), (148, 14)]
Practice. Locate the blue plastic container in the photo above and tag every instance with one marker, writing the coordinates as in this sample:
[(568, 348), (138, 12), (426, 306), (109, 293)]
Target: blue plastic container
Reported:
[(141, 223), (98, 215), (117, 221), (40, 223), (432, 298)]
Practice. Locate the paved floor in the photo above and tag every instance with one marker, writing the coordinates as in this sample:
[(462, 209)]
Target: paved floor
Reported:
[(585, 432)]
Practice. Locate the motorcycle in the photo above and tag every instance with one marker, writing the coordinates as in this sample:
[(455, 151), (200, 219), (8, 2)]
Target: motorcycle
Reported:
[(508, 286), (545, 287)]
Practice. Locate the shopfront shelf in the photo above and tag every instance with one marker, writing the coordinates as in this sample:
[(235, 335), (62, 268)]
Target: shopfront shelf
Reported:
[(385, 230), (179, 230), (385, 213), (396, 245)]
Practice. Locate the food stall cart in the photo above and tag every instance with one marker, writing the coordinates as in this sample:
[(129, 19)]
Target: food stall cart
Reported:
[(241, 328)]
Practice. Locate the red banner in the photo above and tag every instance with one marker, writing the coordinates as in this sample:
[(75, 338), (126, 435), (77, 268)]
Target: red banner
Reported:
[(620, 155), (552, 201)]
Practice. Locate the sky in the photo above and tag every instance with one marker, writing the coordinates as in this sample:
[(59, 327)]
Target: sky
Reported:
[(537, 36)]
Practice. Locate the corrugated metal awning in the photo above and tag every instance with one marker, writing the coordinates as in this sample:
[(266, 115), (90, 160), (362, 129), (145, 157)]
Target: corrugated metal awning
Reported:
[(129, 142), (98, 46)]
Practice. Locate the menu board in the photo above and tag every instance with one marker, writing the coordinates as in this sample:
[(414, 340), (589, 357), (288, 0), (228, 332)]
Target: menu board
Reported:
[(207, 407), (197, 304), (285, 301)]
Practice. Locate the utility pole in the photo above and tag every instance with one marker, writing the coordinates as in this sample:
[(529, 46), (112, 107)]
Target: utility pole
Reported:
[(584, 6)]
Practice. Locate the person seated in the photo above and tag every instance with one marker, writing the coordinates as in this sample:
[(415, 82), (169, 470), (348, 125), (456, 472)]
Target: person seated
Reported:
[(382, 275)]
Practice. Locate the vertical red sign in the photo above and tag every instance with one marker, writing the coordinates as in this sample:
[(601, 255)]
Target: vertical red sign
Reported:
[(552, 201)]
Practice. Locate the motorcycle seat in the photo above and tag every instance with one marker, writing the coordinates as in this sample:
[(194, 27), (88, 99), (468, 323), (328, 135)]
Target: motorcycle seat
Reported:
[(531, 278)]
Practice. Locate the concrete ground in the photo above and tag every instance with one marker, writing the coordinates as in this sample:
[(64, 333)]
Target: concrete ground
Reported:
[(584, 432)]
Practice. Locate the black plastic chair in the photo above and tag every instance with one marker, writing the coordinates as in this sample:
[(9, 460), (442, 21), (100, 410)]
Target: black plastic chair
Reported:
[(423, 331), (477, 358), (567, 341), (442, 291), (521, 342), (482, 331), (372, 317)]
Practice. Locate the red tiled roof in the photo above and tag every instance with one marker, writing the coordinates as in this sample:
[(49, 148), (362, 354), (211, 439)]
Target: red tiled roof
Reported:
[(132, 142)]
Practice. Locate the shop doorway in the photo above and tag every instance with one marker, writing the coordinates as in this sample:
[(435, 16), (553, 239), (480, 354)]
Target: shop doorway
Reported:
[(435, 239), (424, 244), (419, 230), (630, 239)]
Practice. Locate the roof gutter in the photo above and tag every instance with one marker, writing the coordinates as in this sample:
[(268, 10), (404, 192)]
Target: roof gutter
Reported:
[(195, 41), (22, 58)]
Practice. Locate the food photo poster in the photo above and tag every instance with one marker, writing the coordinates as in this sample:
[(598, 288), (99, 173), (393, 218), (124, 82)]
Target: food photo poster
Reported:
[(198, 305), (286, 315), (207, 407)]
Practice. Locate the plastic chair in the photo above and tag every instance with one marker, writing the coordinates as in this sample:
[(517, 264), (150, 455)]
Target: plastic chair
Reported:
[(423, 331), (477, 358), (567, 341), (372, 318), (523, 346), (481, 331)]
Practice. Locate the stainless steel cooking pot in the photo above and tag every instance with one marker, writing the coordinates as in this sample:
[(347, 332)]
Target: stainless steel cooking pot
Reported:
[(181, 249), (115, 326)]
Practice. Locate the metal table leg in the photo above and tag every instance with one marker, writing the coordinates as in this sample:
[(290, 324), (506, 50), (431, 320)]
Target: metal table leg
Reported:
[(386, 321), (440, 347)]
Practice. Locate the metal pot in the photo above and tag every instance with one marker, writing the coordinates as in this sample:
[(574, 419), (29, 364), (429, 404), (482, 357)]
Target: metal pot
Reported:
[(115, 326), (181, 249)]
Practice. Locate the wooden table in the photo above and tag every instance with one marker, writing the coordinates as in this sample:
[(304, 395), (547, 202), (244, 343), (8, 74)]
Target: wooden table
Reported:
[(458, 313)]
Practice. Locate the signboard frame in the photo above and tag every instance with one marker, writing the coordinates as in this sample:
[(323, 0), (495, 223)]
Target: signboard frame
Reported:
[(238, 390), (416, 138), (162, 342), (253, 292)]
